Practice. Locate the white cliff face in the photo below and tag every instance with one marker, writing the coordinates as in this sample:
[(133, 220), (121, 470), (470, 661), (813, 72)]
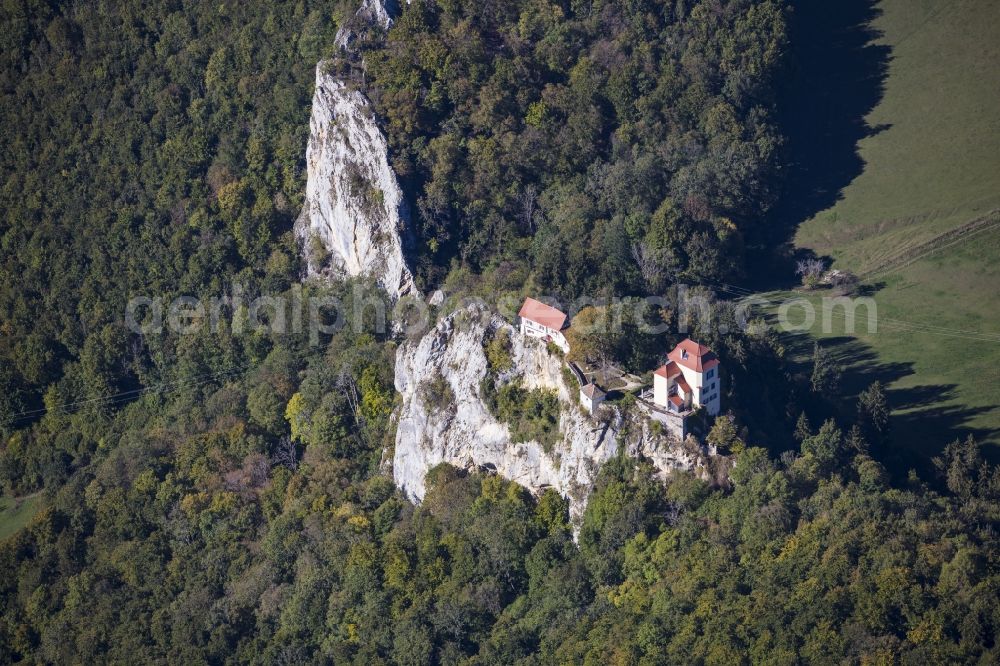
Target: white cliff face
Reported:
[(374, 12), (354, 204), (378, 12), (467, 435), (667, 453)]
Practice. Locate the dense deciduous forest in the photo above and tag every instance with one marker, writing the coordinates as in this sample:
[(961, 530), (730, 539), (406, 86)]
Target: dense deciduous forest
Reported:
[(148, 149), (601, 147), (185, 544), (220, 497)]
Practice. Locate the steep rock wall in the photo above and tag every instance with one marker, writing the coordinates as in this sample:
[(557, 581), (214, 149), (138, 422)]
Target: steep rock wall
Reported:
[(354, 205), (465, 433)]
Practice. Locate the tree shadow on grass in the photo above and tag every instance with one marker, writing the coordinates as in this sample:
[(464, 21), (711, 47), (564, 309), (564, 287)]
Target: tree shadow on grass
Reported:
[(924, 418), (835, 78), (923, 432)]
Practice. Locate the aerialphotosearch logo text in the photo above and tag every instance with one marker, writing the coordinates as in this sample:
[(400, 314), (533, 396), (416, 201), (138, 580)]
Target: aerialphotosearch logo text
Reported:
[(370, 310)]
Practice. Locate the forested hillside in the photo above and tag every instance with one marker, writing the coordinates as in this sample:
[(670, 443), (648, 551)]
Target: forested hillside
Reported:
[(148, 149), (185, 545), (565, 140), (221, 496)]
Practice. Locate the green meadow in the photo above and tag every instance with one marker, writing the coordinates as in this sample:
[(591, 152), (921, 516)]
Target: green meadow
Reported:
[(920, 223), (16, 513), (932, 162)]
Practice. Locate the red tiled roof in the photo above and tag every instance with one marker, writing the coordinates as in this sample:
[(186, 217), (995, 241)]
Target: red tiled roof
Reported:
[(676, 399), (593, 391), (693, 356), (669, 370), (682, 383), (543, 314)]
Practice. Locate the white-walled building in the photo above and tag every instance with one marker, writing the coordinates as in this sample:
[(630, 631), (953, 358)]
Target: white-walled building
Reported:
[(591, 397), (689, 380), (544, 321)]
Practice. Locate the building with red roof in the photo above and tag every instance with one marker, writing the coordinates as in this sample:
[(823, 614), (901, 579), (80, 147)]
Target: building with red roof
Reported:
[(690, 379), (693, 356), (539, 320)]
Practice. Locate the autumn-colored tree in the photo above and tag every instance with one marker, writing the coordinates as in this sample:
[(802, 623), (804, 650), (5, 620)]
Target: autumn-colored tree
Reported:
[(593, 336)]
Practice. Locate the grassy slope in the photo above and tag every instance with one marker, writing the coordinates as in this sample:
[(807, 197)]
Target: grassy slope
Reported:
[(15, 515), (932, 165), (933, 162)]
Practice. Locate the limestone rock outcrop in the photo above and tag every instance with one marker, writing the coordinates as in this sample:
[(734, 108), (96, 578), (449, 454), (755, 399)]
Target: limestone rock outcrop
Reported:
[(354, 207), (466, 434)]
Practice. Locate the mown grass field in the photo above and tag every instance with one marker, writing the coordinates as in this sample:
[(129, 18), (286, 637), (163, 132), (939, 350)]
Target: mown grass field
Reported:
[(933, 160), (15, 514), (931, 165)]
